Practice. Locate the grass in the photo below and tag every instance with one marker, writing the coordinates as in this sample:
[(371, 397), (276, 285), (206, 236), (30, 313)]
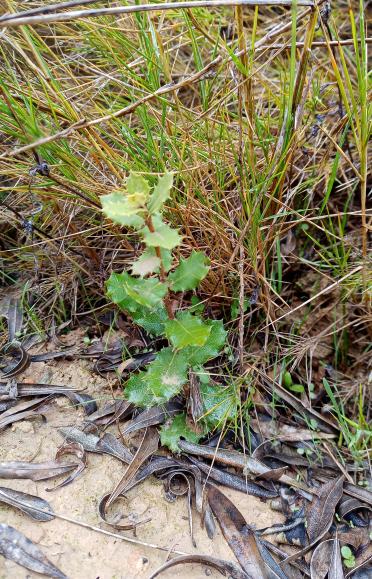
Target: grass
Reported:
[(269, 151)]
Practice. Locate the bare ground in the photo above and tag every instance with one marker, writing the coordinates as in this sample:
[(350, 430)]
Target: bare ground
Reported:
[(84, 553)]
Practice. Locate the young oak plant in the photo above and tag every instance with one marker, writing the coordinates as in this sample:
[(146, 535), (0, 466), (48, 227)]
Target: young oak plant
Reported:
[(144, 294)]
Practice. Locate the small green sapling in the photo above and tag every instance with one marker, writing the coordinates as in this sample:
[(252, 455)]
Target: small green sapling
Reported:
[(144, 294)]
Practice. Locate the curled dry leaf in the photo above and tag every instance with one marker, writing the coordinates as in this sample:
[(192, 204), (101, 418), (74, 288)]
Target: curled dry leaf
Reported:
[(15, 360), (360, 493), (35, 507), (77, 450), (38, 389), (352, 510), (18, 548), (112, 360), (128, 526), (178, 484), (224, 567)]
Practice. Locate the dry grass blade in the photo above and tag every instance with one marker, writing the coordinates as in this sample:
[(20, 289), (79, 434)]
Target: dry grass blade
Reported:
[(18, 20)]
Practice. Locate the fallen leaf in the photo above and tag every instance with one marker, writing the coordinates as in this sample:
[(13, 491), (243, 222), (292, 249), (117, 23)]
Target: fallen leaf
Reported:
[(34, 470), (110, 413), (320, 560), (77, 450), (350, 508), (234, 481), (151, 417), (335, 568), (360, 493), (241, 538), (129, 526), (148, 446), (15, 318), (287, 433), (35, 507), (108, 444), (320, 512), (236, 459), (21, 411), (18, 548)]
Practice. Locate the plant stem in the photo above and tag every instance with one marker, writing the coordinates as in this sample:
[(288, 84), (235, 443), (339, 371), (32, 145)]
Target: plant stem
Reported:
[(163, 275)]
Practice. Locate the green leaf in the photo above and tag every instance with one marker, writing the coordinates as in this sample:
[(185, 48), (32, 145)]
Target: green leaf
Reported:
[(235, 307), (197, 306), (349, 563), (190, 272), (147, 263), (287, 379), (137, 185), (122, 209), (128, 291), (297, 388), (212, 347), (163, 236), (187, 330), (150, 263), (220, 403), (163, 379), (346, 552), (171, 434), (137, 392), (152, 321), (161, 193)]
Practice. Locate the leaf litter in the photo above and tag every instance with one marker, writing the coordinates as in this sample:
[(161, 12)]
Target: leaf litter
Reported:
[(195, 476)]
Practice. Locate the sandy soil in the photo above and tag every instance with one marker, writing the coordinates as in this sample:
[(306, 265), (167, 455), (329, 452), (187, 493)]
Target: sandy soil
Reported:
[(84, 553)]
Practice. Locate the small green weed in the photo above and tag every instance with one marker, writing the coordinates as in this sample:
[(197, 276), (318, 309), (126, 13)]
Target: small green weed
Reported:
[(145, 295), (348, 557)]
